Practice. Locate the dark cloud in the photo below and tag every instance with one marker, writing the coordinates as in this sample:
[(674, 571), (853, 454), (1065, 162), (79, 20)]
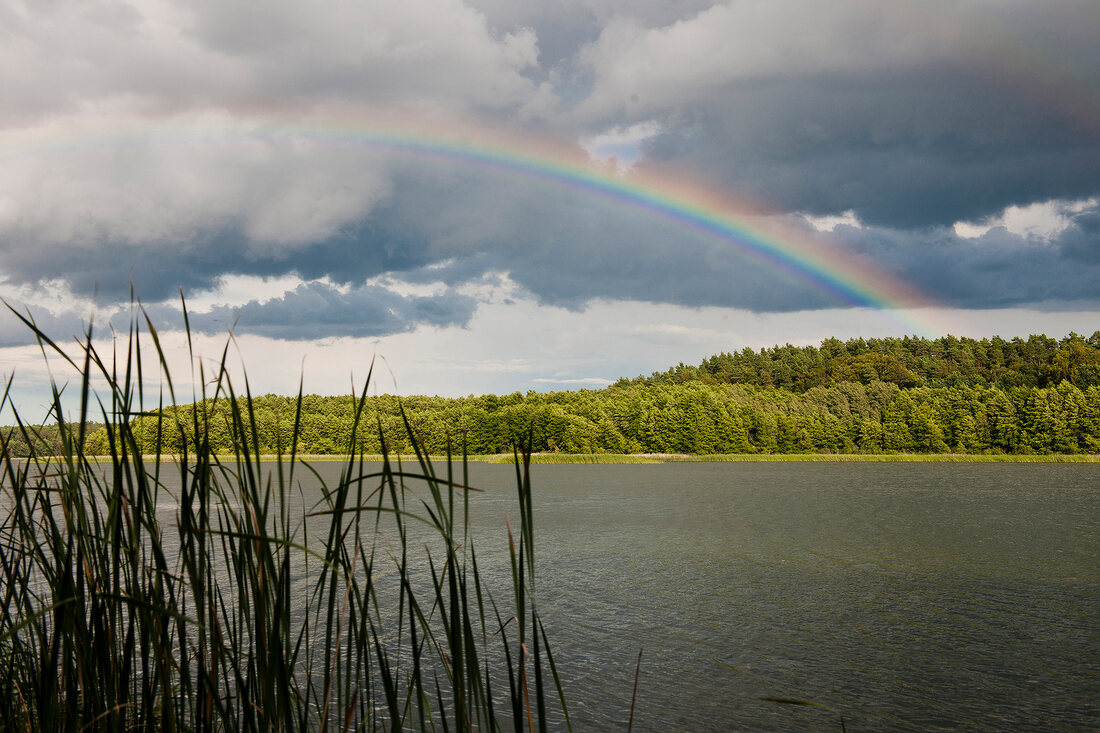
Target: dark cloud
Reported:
[(14, 332), (109, 269), (567, 249), (316, 310), (904, 150), (997, 269), (198, 258), (1081, 242), (911, 115), (600, 251)]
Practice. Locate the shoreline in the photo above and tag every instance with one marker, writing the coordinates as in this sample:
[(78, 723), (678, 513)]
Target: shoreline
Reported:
[(653, 458), (656, 458)]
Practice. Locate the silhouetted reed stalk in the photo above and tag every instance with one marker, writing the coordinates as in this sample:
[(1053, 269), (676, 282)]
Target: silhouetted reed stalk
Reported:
[(228, 603)]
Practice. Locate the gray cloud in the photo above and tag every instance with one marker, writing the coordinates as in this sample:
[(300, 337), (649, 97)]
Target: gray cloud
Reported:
[(134, 144), (998, 269), (316, 310), (908, 116), (490, 225), (639, 256), (13, 332), (69, 56), (565, 247), (563, 28), (907, 151)]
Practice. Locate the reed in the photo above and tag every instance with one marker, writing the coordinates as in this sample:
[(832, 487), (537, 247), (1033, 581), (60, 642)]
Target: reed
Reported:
[(200, 592)]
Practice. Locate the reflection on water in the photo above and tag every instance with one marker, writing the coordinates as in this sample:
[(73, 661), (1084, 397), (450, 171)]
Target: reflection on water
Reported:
[(904, 596)]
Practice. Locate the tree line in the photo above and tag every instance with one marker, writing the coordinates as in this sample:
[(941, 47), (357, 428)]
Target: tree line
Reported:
[(692, 417), (908, 395), (1038, 361)]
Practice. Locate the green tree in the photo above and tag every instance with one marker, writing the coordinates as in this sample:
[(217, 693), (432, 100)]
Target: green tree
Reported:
[(897, 436), (1004, 430), (1036, 422), (926, 431)]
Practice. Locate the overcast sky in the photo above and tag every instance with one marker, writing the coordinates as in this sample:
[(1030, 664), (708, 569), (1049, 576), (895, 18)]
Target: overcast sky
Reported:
[(231, 149)]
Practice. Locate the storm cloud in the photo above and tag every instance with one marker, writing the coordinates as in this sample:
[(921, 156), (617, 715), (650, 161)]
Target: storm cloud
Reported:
[(174, 147), (316, 310)]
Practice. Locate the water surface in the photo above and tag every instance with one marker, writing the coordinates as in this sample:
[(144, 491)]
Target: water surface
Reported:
[(904, 596)]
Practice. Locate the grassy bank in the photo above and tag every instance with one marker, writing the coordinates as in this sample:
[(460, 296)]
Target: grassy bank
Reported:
[(205, 593), (612, 458), (815, 458), (653, 458)]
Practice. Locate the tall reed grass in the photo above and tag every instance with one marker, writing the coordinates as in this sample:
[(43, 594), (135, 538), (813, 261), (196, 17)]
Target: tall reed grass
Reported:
[(225, 603)]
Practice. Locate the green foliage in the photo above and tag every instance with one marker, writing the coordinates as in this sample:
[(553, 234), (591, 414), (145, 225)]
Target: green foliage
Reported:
[(690, 417), (906, 362)]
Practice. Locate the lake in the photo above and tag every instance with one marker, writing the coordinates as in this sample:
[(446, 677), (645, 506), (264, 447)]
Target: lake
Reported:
[(902, 596)]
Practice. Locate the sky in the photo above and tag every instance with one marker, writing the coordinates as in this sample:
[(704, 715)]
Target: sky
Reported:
[(500, 195)]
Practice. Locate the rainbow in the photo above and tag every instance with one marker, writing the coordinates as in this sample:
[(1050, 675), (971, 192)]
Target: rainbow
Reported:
[(720, 222)]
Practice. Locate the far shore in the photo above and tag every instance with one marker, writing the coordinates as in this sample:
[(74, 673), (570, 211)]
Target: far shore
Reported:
[(650, 458)]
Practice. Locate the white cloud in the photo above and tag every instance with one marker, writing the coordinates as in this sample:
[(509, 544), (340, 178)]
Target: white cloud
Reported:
[(236, 290), (1043, 220), (969, 230), (639, 69), (126, 180), (57, 56), (830, 223), (157, 55), (623, 145)]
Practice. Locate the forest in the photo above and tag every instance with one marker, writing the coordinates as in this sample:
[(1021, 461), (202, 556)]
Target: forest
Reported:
[(1039, 361), (910, 395)]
